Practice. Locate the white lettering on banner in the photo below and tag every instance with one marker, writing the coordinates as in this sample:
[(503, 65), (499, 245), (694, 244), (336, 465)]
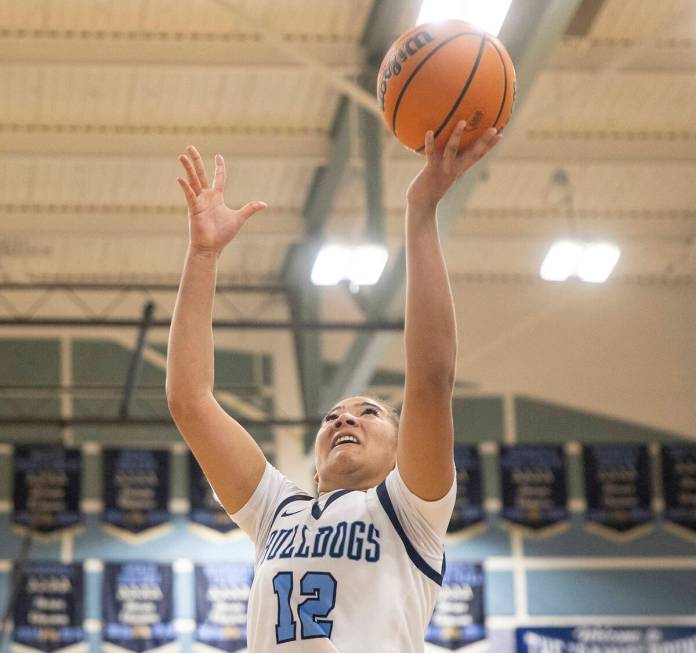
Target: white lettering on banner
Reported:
[(42, 619), (532, 476), (138, 613), (129, 478), (617, 474), (46, 477), (228, 614), (46, 603), (449, 620), (452, 607), (49, 585), (139, 593), (228, 593), (601, 640), (685, 467), (453, 592)]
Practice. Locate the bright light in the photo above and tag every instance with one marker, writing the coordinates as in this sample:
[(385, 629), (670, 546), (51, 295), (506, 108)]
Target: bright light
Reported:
[(561, 261), (598, 262), (367, 264), (361, 265), (331, 265), (591, 262), (486, 14)]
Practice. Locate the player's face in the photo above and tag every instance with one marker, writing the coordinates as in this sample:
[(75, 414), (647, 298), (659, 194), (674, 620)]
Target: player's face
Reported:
[(355, 446)]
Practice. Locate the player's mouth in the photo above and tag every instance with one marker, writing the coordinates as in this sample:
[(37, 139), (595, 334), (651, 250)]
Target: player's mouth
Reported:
[(344, 440)]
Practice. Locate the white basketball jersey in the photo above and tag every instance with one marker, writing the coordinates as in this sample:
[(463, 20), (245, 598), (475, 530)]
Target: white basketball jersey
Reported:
[(349, 572)]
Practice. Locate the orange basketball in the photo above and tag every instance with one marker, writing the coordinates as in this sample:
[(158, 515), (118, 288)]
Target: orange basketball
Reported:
[(440, 73)]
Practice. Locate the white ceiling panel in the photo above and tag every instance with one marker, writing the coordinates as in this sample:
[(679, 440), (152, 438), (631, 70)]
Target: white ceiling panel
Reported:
[(121, 95), (623, 102), (143, 182), (333, 19), (645, 19), (82, 133)]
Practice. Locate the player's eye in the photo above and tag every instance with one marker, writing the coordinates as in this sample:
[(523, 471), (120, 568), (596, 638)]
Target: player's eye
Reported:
[(370, 410), (329, 417)]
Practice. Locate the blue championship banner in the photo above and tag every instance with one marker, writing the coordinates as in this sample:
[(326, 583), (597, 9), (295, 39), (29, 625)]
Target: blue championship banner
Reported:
[(468, 507), (222, 597), (534, 485), (617, 486), (458, 619), (679, 483), (205, 508), (48, 612), (46, 487), (609, 639), (136, 489), (137, 607)]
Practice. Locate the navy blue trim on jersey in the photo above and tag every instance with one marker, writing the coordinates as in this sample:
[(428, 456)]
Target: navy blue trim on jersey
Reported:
[(285, 502), (416, 558), (318, 512)]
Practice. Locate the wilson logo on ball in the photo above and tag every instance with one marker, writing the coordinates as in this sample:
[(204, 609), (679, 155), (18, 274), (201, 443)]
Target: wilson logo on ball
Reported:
[(410, 46)]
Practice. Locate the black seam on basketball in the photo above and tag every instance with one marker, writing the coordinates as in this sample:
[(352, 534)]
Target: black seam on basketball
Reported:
[(462, 94), (418, 67), (502, 104)]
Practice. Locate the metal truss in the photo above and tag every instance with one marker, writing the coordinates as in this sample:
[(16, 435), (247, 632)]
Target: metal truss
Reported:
[(110, 305)]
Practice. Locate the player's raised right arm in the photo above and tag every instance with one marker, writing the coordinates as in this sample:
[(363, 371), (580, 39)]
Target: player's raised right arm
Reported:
[(229, 456)]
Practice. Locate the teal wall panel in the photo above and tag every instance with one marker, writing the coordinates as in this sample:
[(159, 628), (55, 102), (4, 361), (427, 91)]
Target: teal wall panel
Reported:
[(478, 419), (612, 592), (493, 541), (29, 362), (539, 421), (32, 434), (498, 594)]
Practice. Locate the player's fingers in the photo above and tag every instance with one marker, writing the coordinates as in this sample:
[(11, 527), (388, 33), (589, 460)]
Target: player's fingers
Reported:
[(472, 154), (429, 145), (452, 147), (198, 166), (220, 173), (188, 192), (190, 173), (250, 208)]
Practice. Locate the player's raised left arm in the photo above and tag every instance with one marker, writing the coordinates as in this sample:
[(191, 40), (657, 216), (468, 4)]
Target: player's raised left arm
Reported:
[(425, 443)]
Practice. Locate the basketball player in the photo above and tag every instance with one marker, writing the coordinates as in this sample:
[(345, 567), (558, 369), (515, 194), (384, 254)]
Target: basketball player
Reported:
[(358, 568)]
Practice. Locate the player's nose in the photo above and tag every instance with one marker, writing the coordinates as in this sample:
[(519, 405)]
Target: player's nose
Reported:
[(345, 419)]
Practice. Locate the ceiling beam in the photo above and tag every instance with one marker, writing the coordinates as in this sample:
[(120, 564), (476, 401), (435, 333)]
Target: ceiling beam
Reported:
[(585, 16), (574, 55), (238, 325), (40, 224), (313, 148), (205, 52), (530, 32)]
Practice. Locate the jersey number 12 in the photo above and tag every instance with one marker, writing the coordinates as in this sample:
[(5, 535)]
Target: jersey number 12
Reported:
[(320, 587)]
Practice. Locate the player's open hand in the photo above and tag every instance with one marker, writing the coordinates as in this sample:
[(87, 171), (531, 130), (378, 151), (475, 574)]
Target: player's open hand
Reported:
[(212, 224), (442, 169)]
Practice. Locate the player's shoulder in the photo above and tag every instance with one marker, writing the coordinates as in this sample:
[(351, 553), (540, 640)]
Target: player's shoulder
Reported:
[(396, 497)]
